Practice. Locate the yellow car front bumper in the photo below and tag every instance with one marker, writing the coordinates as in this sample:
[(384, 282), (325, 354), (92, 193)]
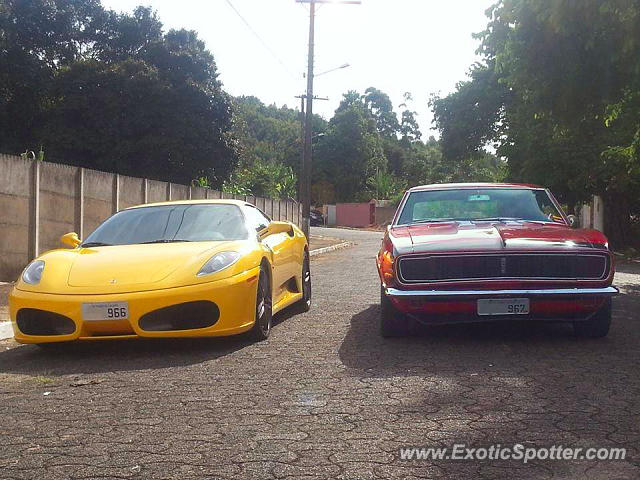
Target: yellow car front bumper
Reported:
[(235, 298)]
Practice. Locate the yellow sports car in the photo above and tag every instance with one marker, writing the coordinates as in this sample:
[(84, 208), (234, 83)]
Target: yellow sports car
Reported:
[(173, 269)]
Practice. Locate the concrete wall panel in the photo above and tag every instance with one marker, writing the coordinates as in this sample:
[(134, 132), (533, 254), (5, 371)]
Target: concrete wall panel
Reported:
[(198, 193), (179, 192), (16, 176), (11, 265), (268, 207), (156, 191), (98, 199), (131, 192), (16, 202), (59, 203)]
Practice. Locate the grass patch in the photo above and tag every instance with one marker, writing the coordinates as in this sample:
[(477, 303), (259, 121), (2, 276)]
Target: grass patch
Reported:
[(43, 380)]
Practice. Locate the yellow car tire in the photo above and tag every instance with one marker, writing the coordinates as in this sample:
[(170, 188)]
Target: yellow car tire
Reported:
[(264, 315), (304, 304)]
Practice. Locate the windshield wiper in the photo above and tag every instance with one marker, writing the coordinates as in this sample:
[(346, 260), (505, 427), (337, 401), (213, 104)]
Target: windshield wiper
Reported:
[(499, 219), (96, 244), (164, 240), (439, 220)]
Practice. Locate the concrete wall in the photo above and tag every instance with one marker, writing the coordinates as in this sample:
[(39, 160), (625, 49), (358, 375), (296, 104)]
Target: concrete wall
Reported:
[(330, 215), (16, 215), (592, 214), (41, 201)]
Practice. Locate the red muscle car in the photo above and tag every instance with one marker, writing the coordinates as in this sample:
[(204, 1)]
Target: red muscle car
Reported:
[(480, 252)]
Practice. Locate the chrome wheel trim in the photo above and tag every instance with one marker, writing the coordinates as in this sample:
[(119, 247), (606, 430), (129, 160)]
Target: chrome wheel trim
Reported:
[(306, 280)]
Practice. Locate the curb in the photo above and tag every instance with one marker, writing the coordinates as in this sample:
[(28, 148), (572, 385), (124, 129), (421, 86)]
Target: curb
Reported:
[(5, 330), (332, 248), (5, 324)]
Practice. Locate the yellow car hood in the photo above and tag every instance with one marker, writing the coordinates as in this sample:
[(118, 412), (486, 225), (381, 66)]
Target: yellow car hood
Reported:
[(129, 265), (134, 268)]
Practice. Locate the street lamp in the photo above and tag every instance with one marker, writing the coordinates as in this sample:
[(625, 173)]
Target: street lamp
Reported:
[(346, 65)]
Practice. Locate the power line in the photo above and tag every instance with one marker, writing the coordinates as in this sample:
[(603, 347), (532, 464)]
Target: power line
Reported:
[(264, 44)]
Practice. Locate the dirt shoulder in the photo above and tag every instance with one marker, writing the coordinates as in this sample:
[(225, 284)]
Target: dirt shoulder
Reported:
[(318, 241), (4, 293)]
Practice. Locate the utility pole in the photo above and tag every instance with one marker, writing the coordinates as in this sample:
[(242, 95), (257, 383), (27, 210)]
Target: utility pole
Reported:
[(302, 140), (306, 164), (302, 130), (305, 183)]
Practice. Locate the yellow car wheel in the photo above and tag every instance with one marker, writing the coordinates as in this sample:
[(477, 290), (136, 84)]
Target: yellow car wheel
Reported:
[(305, 303), (262, 326)]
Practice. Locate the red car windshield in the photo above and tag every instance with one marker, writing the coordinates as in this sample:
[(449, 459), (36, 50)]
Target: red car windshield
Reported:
[(497, 204)]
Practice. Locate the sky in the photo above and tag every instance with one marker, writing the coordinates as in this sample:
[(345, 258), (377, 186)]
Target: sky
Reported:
[(397, 46)]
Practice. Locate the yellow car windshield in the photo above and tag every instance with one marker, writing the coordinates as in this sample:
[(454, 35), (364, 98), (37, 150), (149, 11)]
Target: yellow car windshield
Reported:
[(171, 223)]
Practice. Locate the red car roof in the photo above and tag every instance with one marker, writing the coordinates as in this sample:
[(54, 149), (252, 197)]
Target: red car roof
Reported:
[(444, 186)]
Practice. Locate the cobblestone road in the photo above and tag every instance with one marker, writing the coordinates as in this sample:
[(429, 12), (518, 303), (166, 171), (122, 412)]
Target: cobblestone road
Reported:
[(325, 396)]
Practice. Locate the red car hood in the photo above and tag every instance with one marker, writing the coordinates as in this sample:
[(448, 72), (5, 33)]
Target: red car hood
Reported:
[(469, 236)]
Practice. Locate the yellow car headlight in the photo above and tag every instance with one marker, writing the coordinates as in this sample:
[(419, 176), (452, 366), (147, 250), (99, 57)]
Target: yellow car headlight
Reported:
[(33, 273), (218, 262)]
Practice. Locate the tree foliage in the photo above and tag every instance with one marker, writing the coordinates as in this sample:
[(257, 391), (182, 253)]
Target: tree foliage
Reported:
[(557, 94), (270, 148), (367, 152), (115, 92), (351, 151), (263, 179), (111, 91)]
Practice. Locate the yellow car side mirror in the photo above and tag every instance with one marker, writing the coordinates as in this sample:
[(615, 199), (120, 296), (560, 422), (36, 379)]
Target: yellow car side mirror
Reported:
[(276, 227), (71, 239)]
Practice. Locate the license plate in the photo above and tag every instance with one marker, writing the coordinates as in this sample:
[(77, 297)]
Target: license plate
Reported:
[(105, 311), (503, 306)]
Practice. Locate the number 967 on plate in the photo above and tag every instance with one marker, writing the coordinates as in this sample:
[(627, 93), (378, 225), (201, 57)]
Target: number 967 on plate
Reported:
[(105, 311), (503, 306)]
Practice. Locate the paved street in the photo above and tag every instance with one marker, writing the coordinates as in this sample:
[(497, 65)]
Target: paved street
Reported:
[(326, 396)]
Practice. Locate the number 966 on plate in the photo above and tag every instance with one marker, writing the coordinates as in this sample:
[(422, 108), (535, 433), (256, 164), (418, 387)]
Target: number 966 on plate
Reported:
[(105, 311)]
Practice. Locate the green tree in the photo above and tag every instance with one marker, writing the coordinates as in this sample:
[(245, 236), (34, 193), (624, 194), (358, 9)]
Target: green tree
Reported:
[(556, 93), (36, 38), (111, 91), (126, 118), (384, 185), (263, 179), (351, 151), (470, 118), (409, 128), (270, 143), (381, 108)]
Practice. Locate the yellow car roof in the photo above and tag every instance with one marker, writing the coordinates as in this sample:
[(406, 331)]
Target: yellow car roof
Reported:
[(229, 201)]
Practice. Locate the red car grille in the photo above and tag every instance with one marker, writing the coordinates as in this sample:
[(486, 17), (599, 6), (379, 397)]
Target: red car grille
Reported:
[(439, 268)]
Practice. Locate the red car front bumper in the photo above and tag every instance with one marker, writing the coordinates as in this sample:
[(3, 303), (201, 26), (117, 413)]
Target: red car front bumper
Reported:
[(459, 306)]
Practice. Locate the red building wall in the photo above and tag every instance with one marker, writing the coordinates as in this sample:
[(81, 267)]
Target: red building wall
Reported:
[(355, 214)]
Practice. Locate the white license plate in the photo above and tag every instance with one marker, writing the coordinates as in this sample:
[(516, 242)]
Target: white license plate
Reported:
[(503, 306), (105, 311)]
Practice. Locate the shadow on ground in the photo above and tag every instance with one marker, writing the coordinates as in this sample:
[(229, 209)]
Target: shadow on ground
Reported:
[(471, 348), (123, 355), (624, 266), (505, 383)]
